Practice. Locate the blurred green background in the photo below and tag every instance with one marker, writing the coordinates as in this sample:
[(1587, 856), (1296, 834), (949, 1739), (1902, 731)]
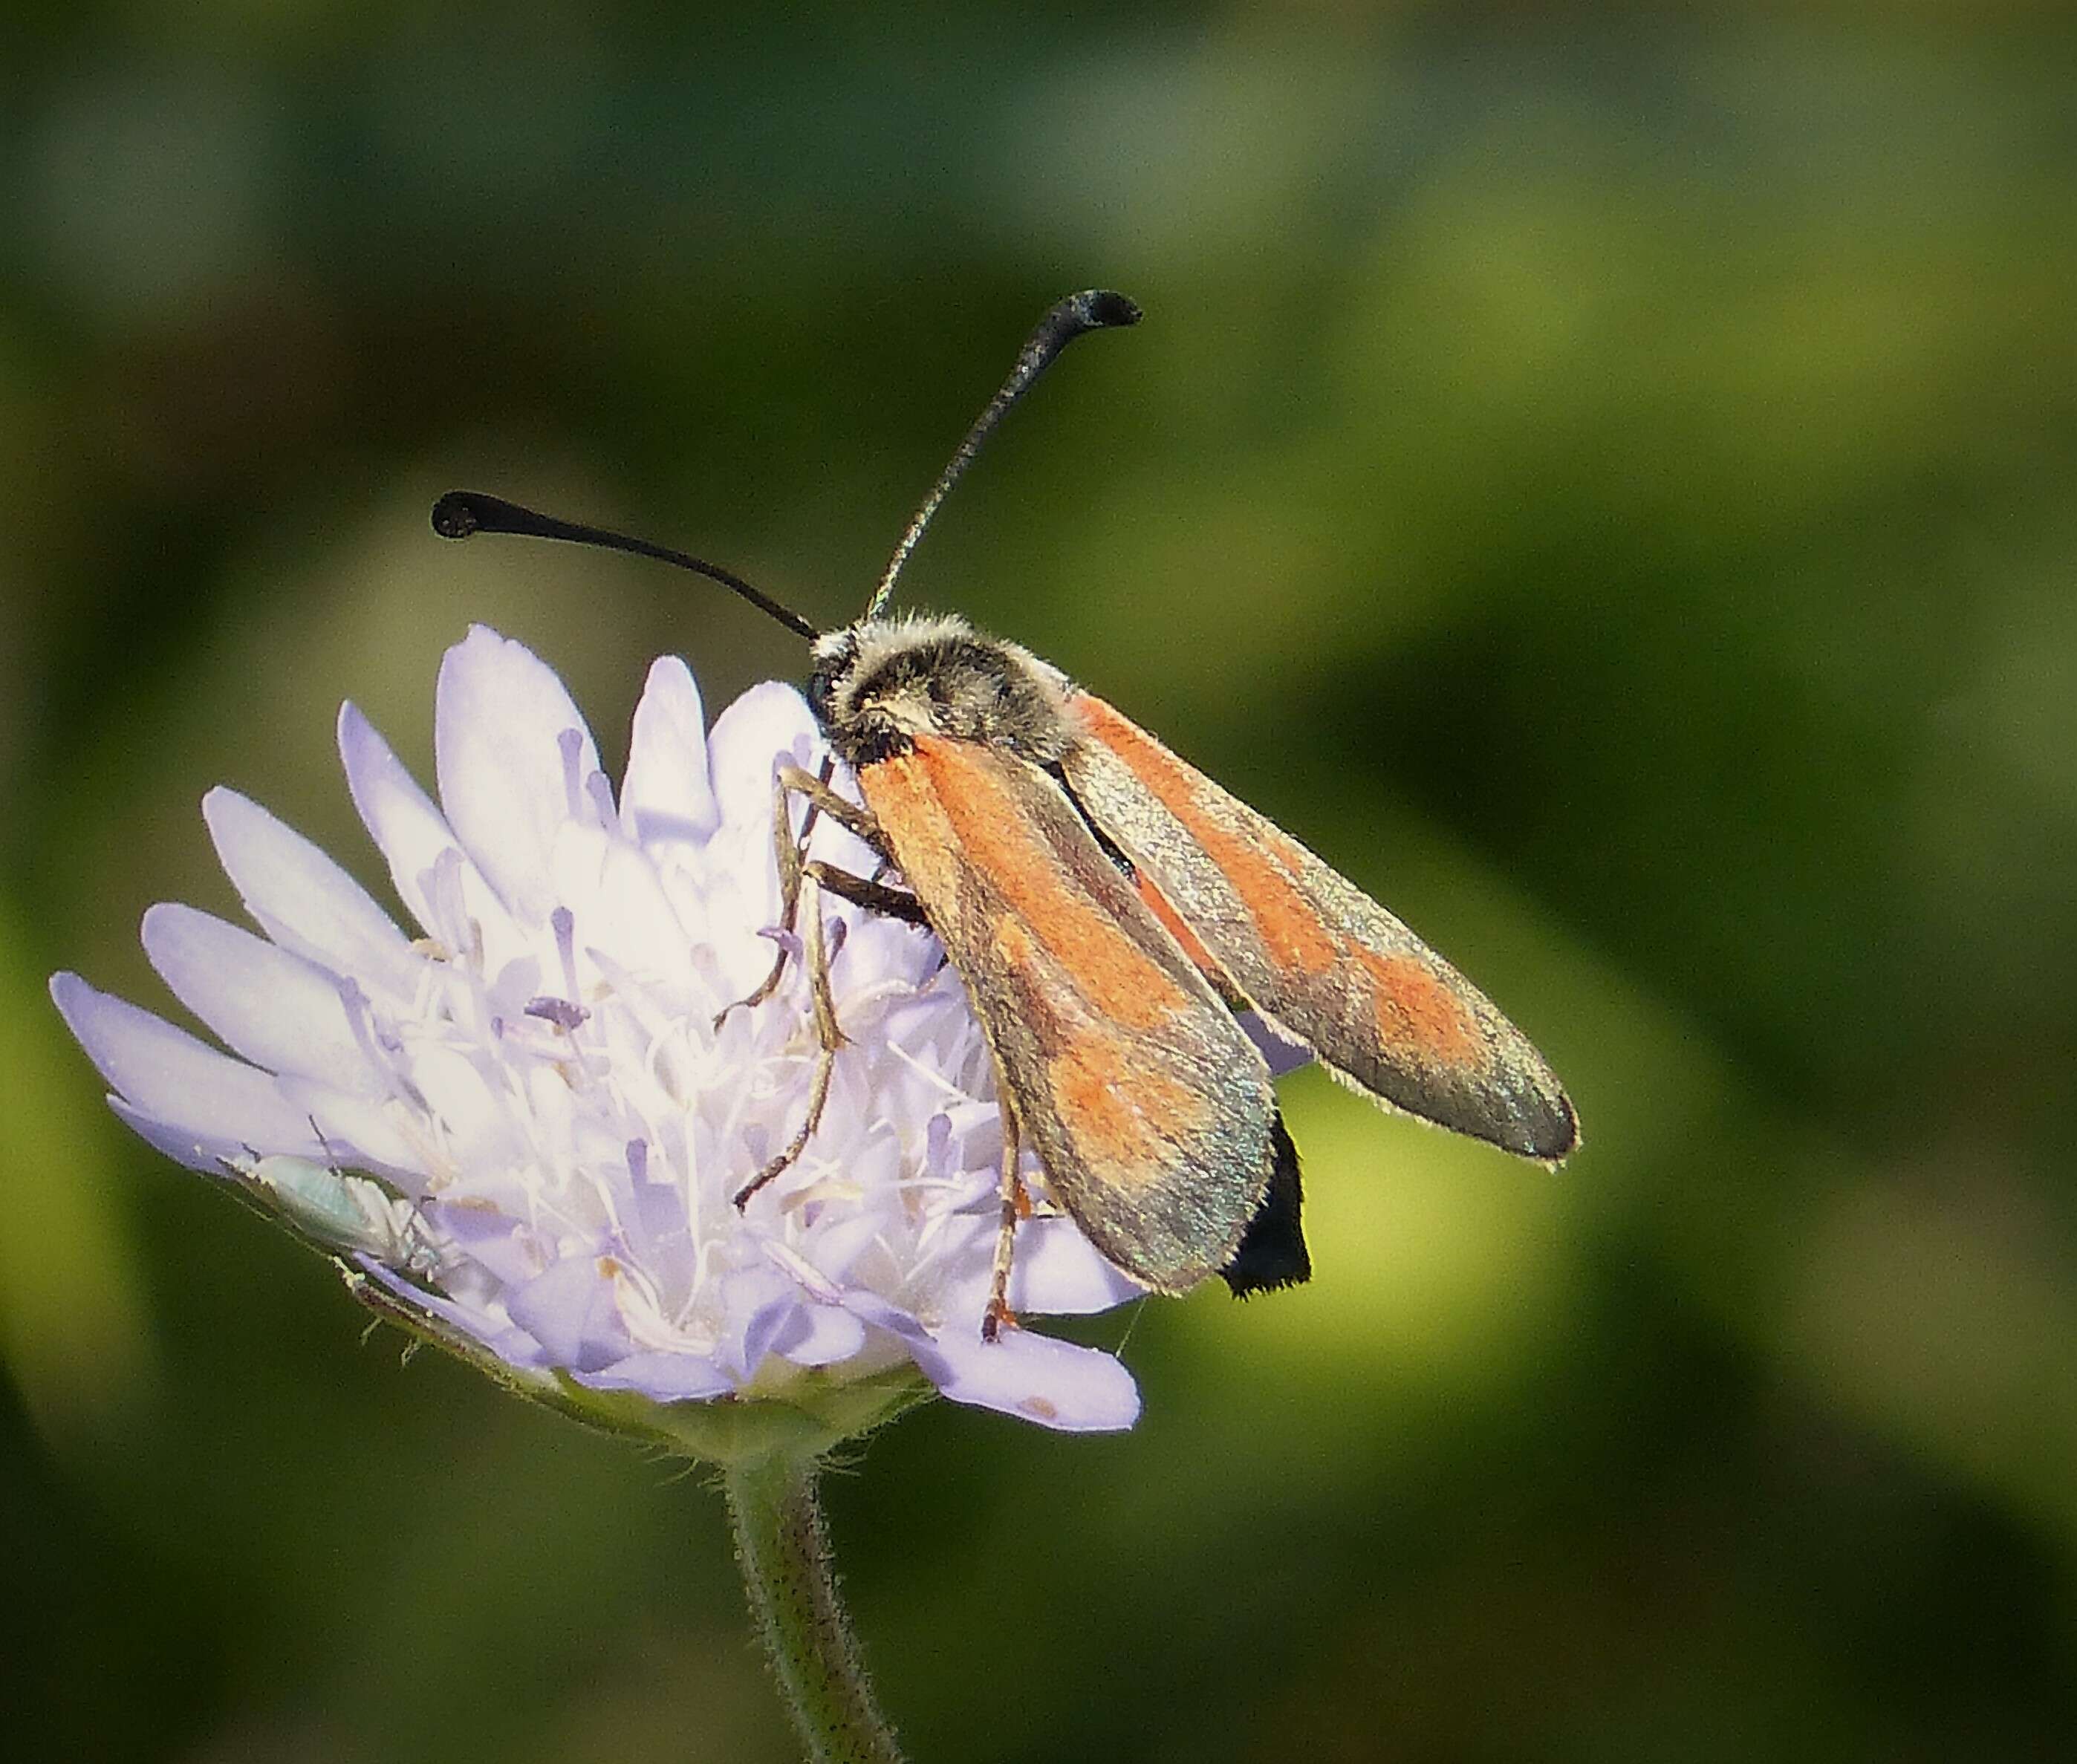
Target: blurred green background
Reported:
[(1603, 477)]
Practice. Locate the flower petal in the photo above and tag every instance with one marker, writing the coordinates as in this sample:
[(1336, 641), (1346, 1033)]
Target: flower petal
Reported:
[(1036, 1377), (167, 1075), (821, 1335), (505, 780), (487, 1236), (476, 1128), (1284, 1056), (204, 1149), (270, 1007), (400, 818), (1057, 1272), (303, 900), (668, 1378), (358, 1130), (666, 798), (414, 835), (758, 1306), (769, 721), (620, 907), (514, 1346), (570, 1311)]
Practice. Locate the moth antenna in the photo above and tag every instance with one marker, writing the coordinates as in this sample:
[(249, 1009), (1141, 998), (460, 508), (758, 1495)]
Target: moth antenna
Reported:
[(1094, 309), (459, 514)]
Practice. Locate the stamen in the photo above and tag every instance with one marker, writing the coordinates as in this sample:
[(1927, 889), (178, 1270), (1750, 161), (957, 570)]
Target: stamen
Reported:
[(641, 1308), (360, 1017), (930, 1073), (938, 1146), (564, 924), (434, 978), (571, 743), (788, 941), (810, 1277), (680, 1040), (565, 1016)]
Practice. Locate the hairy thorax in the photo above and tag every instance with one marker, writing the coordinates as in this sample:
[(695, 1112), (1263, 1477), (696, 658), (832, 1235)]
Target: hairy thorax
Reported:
[(877, 686)]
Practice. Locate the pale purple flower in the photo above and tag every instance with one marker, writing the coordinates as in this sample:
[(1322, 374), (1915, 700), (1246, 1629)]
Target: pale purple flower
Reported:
[(543, 1129)]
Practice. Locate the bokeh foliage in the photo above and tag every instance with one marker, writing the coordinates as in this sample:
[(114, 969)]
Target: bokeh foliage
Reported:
[(1601, 476)]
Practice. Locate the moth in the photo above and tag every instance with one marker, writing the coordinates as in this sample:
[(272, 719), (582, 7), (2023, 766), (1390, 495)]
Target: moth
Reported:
[(1111, 911)]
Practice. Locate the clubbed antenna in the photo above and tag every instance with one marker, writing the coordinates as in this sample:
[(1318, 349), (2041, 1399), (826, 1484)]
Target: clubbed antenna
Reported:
[(1095, 309), (461, 513)]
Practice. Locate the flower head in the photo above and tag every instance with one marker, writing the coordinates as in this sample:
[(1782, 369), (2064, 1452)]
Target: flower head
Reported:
[(520, 1131)]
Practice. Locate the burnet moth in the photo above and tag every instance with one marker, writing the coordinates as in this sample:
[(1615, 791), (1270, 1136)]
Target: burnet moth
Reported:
[(1111, 911)]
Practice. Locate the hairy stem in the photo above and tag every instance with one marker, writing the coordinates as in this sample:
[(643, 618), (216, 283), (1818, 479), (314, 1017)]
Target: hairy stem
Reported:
[(784, 1551)]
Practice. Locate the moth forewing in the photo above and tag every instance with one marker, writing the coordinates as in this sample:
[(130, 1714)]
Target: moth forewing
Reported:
[(1324, 963), (1150, 1112)]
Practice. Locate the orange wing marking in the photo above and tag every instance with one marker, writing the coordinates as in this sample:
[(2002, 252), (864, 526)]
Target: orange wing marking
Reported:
[(905, 801), (993, 834), (1127, 1119), (1192, 945), (1415, 1010), (1291, 931)]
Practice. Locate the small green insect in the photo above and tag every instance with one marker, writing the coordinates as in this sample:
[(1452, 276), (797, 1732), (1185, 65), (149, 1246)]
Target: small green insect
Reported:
[(338, 1213)]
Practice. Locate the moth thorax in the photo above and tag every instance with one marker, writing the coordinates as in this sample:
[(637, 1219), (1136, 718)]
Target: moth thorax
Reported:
[(878, 685)]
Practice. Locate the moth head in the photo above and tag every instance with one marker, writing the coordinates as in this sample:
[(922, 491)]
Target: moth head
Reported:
[(878, 684), (832, 660)]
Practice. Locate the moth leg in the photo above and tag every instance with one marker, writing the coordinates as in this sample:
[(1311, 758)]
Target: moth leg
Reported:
[(829, 1039), (814, 788), (786, 850), (790, 849), (1015, 1206), (874, 897)]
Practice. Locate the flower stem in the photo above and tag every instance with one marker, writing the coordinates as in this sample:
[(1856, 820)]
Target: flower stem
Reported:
[(784, 1549)]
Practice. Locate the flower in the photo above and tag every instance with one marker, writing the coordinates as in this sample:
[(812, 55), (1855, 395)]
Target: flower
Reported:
[(521, 1132)]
